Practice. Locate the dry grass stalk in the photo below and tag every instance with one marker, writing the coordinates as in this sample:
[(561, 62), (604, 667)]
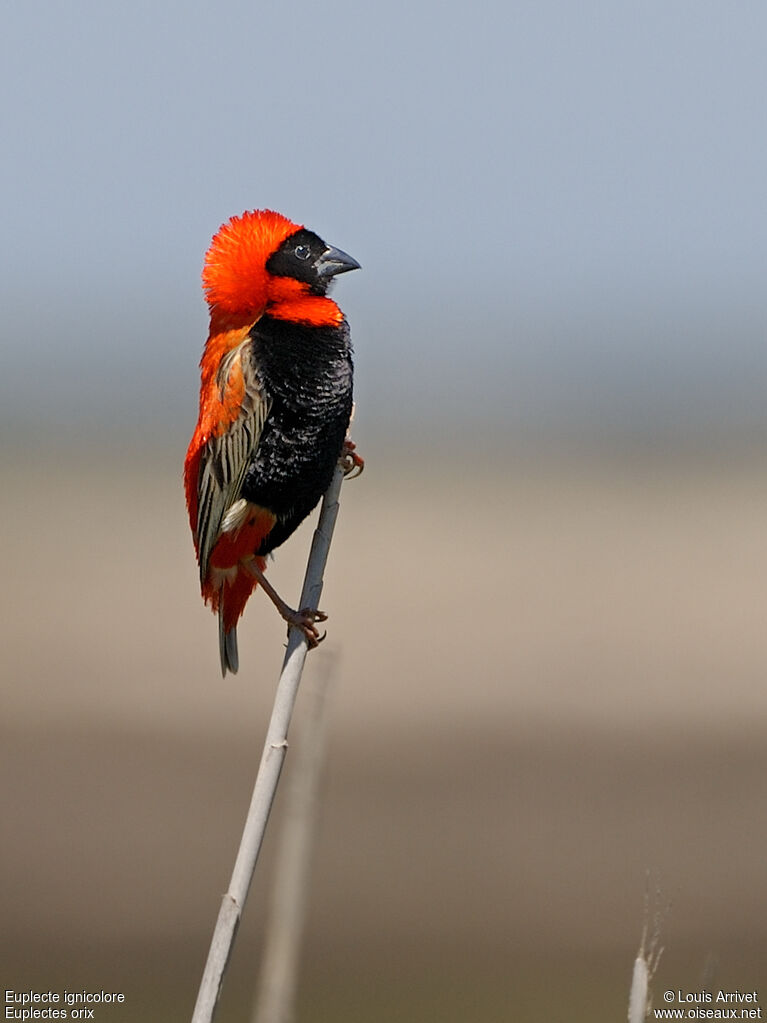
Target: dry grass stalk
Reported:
[(646, 962), (273, 756), (278, 983), (640, 989)]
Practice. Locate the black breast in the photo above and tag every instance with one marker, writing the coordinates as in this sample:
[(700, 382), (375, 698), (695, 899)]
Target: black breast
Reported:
[(307, 374)]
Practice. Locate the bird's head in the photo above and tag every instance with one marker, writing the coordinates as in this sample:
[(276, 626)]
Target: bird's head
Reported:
[(262, 261)]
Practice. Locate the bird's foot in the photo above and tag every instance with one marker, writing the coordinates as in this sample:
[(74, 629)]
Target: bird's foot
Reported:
[(305, 620), (351, 462)]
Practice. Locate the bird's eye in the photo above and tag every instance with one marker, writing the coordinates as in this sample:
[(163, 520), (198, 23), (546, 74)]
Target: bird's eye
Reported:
[(302, 252)]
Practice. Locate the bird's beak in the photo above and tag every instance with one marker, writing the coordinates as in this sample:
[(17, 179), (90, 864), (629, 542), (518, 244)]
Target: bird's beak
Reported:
[(334, 261)]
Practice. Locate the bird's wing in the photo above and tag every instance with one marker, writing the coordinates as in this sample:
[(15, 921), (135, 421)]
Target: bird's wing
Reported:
[(228, 452)]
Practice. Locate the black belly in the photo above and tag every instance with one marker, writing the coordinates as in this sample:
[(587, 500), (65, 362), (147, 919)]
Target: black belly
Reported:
[(307, 374)]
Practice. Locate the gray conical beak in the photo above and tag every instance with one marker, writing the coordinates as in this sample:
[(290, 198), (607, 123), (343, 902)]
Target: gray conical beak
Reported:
[(334, 261)]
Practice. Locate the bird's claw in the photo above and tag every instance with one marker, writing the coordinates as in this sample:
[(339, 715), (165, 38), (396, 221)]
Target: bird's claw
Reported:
[(351, 463), (304, 620)]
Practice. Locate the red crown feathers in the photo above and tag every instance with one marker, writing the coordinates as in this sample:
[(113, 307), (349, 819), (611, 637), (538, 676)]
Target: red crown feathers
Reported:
[(234, 276)]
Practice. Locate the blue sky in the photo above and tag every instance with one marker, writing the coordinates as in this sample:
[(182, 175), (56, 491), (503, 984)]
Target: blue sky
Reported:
[(559, 208)]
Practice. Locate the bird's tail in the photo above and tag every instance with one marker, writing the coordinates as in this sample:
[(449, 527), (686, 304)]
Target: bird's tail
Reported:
[(227, 646), (230, 601)]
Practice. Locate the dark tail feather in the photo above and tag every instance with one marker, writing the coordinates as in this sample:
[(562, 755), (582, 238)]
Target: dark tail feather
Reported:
[(227, 646), (230, 601)]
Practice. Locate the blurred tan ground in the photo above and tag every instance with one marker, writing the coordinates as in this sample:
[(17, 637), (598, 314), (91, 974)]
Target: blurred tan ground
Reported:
[(550, 679)]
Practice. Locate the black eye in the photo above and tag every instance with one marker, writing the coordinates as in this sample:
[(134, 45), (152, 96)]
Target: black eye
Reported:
[(302, 251)]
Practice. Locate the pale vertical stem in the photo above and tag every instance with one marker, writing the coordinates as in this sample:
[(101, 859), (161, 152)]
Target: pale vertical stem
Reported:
[(276, 996), (272, 758), (640, 980), (646, 962)]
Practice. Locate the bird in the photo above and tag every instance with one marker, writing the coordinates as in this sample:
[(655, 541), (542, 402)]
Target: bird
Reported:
[(276, 401)]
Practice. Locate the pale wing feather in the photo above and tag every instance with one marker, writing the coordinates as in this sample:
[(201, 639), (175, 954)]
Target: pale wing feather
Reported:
[(225, 459)]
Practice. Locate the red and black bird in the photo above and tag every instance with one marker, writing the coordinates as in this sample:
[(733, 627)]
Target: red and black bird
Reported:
[(275, 406)]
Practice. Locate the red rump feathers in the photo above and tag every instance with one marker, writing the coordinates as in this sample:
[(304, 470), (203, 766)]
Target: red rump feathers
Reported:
[(234, 276)]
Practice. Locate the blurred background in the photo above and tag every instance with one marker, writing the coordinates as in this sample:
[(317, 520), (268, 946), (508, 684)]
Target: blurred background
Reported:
[(546, 593)]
